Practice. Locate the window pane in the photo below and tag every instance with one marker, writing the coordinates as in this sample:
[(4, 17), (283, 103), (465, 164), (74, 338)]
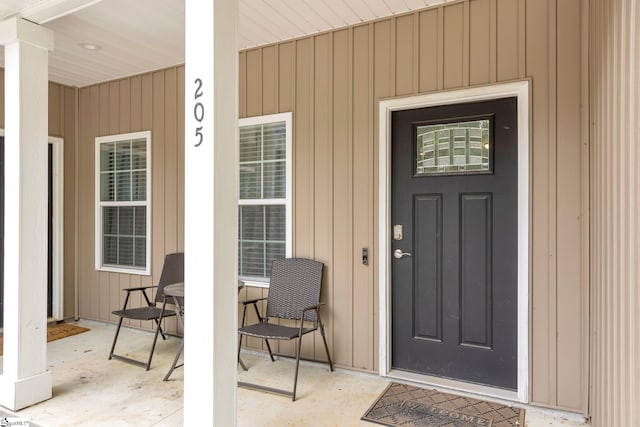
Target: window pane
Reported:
[(275, 223), (123, 186), (274, 251), (125, 221), (140, 220), (107, 157), (109, 250), (250, 143), (119, 247), (125, 251), (139, 154), (274, 141), (274, 180), (442, 147), (261, 227), (123, 156), (139, 186), (110, 221), (462, 147), (252, 223), (107, 187), (140, 252), (250, 181), (252, 259)]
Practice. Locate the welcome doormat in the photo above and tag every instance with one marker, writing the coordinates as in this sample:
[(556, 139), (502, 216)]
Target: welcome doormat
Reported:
[(408, 406), (56, 331)]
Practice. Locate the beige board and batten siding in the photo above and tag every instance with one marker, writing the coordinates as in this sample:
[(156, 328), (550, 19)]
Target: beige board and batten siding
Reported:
[(155, 102), (62, 124), (332, 83), (615, 212)]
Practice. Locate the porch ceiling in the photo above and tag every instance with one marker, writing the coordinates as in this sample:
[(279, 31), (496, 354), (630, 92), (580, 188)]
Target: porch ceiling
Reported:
[(143, 35)]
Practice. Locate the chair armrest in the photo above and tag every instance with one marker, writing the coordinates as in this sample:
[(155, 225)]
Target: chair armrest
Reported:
[(313, 307), (141, 288), (253, 301), (255, 307)]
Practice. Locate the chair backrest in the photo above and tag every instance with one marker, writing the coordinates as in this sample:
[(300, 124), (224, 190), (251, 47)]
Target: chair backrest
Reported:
[(172, 272), (294, 284)]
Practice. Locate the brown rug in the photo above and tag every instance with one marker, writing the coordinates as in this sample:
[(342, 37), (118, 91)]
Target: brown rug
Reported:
[(408, 406), (56, 331)]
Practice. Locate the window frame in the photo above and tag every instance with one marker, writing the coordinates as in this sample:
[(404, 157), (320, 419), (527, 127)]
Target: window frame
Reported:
[(146, 271), (287, 118)]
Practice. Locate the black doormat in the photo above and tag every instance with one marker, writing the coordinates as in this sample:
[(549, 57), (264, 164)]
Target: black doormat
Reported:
[(408, 406)]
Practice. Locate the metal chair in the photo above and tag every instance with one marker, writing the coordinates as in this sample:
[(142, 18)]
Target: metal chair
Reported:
[(241, 287), (172, 272), (294, 293)]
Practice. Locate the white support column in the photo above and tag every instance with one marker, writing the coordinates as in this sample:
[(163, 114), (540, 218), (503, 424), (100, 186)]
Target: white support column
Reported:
[(211, 212), (25, 379)]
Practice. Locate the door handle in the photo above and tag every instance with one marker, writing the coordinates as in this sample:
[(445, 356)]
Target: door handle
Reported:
[(399, 254)]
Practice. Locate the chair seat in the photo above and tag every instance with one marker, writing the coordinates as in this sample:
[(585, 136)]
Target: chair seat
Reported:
[(273, 331), (143, 313)]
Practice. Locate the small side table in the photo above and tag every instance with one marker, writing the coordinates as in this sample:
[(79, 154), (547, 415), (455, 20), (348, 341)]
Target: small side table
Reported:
[(176, 292)]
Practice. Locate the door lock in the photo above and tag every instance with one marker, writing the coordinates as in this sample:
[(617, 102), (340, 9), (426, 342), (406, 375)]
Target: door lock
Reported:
[(397, 232), (399, 254)]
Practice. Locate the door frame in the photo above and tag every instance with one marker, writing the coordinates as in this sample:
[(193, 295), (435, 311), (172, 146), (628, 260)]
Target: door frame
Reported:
[(57, 297), (520, 90), (57, 175)]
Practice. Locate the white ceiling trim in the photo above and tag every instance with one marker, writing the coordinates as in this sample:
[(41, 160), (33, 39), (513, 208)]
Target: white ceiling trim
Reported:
[(138, 36), (44, 11)]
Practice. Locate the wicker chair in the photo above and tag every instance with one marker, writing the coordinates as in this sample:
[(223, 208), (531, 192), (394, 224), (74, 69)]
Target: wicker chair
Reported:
[(294, 293), (172, 272)]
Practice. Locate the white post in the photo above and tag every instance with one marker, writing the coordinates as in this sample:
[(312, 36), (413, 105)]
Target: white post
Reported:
[(211, 212), (25, 379)]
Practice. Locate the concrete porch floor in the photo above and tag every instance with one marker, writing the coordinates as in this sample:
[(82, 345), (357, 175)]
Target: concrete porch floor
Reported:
[(89, 390)]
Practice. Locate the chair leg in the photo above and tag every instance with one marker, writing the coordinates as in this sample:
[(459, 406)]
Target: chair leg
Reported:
[(160, 328), (115, 338), (244, 367), (295, 377), (155, 337), (324, 339), (269, 348)]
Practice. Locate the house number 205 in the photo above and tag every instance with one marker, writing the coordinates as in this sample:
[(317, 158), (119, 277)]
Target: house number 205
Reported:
[(198, 111)]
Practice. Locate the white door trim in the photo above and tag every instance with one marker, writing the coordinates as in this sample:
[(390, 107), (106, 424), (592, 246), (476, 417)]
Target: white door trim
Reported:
[(57, 298), (520, 90), (57, 177)]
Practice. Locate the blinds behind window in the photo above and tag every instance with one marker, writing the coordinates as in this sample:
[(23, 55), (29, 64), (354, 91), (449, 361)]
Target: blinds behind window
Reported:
[(262, 231), (123, 179)]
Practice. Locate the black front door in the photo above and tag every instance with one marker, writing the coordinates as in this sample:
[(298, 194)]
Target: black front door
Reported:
[(50, 231), (454, 219)]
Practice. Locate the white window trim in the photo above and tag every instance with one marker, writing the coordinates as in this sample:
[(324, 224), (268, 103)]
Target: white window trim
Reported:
[(287, 118), (98, 211)]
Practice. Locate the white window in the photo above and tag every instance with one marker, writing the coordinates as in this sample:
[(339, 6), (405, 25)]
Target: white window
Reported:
[(123, 203), (264, 195)]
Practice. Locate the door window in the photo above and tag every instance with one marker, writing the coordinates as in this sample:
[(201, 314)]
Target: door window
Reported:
[(462, 147)]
